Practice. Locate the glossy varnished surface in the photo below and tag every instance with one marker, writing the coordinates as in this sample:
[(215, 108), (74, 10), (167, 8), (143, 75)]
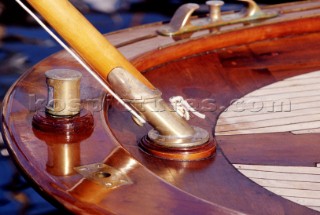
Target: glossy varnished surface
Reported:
[(212, 74), (212, 81)]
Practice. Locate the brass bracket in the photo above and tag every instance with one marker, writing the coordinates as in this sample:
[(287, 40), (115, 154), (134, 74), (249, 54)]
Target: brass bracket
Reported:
[(182, 23), (104, 174)]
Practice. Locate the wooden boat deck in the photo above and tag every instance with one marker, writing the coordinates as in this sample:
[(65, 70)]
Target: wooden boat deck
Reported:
[(218, 68), (295, 183)]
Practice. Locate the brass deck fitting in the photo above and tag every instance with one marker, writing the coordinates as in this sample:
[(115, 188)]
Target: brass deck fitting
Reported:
[(172, 137), (63, 124), (63, 114), (253, 10), (63, 92), (215, 10), (182, 22), (171, 131)]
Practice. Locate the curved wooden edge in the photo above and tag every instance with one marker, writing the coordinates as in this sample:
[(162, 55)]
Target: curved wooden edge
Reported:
[(17, 151), (56, 190), (251, 78), (190, 47)]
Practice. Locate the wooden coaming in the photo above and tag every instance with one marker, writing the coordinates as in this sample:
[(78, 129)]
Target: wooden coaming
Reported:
[(214, 68)]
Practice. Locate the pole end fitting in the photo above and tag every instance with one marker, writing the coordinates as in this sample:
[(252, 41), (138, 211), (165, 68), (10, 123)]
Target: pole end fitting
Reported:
[(199, 147), (171, 137)]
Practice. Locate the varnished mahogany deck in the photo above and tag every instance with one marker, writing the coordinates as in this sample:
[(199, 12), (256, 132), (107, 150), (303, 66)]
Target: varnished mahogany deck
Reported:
[(212, 71)]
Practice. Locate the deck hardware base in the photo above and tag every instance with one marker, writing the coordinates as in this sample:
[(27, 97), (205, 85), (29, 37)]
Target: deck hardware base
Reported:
[(196, 153), (171, 133), (104, 175)]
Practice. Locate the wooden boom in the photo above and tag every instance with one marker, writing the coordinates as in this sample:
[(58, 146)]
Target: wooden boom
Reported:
[(84, 38)]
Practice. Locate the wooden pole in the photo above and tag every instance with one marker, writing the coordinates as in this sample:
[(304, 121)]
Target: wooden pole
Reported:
[(84, 38)]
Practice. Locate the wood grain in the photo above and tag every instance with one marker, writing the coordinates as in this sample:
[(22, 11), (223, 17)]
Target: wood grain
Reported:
[(98, 53), (209, 69)]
